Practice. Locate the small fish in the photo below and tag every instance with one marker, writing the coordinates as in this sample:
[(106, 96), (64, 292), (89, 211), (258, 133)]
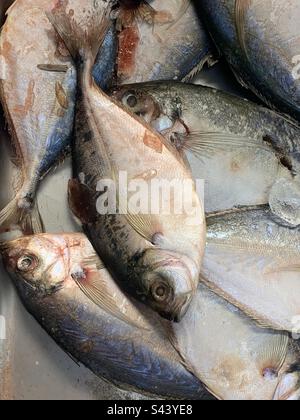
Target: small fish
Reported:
[(261, 42), (161, 40), (235, 359), (247, 154), (156, 256), (64, 285), (37, 89), (253, 260)]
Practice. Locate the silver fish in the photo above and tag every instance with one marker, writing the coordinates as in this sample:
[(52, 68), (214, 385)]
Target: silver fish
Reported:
[(253, 260), (156, 256), (261, 42), (64, 285), (235, 359), (161, 40), (247, 154)]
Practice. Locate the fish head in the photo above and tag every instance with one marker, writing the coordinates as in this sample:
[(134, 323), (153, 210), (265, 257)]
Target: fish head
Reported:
[(154, 105), (167, 282), (39, 263)]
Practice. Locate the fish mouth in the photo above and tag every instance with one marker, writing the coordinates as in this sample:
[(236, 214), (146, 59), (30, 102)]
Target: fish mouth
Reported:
[(178, 310)]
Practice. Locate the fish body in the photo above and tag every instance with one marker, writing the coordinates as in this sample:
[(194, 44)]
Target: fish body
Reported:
[(37, 88), (260, 40), (161, 40), (252, 260), (115, 338), (156, 256), (246, 153), (234, 358)]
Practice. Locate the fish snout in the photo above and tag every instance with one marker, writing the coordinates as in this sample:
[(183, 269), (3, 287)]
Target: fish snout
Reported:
[(178, 310)]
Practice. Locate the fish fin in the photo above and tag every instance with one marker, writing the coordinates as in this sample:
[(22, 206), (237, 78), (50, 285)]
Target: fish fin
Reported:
[(82, 41), (80, 199), (272, 356), (28, 220), (241, 7), (235, 210), (208, 59), (95, 289), (56, 68), (144, 225), (31, 222), (288, 388), (206, 144)]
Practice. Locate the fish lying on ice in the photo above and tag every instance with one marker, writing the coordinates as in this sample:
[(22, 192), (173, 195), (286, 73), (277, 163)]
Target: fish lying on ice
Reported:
[(156, 255)]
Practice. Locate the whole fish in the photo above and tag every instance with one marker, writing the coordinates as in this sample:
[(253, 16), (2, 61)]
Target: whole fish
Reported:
[(235, 359), (37, 90), (161, 40), (261, 41), (156, 254), (247, 154), (253, 260), (105, 331)]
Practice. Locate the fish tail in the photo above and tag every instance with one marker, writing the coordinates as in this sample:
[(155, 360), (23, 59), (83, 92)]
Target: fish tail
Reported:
[(28, 218), (83, 37)]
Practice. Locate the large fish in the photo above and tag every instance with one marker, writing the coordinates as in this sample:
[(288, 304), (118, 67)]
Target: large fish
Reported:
[(37, 89), (157, 252), (253, 260), (247, 154), (121, 341), (235, 359), (161, 40), (261, 41)]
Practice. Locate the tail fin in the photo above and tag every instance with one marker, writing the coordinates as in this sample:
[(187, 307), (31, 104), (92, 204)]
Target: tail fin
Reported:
[(83, 28), (28, 219)]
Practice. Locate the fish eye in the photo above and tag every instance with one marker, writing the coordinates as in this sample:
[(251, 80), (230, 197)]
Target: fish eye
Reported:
[(160, 291), (27, 263), (130, 100)]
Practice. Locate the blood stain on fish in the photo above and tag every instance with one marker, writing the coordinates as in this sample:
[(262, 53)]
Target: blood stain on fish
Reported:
[(129, 39), (23, 110), (153, 142)]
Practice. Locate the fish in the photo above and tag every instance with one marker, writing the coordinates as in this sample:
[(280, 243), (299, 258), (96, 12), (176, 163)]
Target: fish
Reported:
[(155, 253), (252, 260), (251, 34), (37, 91), (106, 331), (246, 153), (235, 359), (161, 40)]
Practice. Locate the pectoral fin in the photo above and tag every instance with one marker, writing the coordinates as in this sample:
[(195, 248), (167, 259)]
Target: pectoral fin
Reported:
[(206, 144), (91, 283)]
